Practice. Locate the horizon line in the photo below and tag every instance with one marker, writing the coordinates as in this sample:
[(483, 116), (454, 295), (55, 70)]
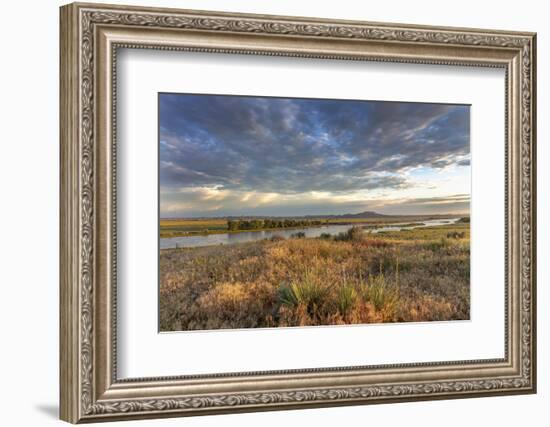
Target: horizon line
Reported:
[(313, 216)]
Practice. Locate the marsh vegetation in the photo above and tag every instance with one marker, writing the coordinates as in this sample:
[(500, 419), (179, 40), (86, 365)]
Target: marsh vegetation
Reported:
[(351, 277)]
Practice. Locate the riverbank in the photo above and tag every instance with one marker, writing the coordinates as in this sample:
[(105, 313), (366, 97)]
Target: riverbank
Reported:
[(167, 235)]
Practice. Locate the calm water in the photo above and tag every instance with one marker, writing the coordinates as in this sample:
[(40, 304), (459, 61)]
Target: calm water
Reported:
[(251, 236)]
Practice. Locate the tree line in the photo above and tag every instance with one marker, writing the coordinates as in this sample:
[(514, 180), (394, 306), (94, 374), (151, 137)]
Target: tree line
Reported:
[(257, 224)]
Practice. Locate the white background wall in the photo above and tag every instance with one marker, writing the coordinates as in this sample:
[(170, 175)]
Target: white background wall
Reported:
[(29, 170)]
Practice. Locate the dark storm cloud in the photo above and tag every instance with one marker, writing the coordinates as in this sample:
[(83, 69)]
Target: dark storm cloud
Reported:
[(292, 146)]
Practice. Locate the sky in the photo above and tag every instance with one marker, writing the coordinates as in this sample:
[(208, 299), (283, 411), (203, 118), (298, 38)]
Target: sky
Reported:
[(236, 155)]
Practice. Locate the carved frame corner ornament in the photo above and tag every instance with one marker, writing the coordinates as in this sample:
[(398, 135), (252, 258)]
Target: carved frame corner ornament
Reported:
[(90, 37)]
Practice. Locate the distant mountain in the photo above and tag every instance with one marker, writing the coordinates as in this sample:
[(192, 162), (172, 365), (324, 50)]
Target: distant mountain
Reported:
[(360, 215), (366, 214)]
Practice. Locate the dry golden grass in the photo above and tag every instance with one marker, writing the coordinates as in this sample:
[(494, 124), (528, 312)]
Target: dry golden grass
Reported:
[(417, 275)]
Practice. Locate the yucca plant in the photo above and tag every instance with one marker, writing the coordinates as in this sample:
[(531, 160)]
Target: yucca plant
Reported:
[(381, 294), (307, 292), (347, 296)]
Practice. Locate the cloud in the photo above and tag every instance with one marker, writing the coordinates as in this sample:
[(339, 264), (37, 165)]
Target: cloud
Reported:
[(200, 202), (296, 146), (458, 203)]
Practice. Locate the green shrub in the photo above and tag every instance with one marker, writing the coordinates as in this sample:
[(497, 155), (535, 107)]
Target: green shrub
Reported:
[(456, 235), (354, 234), (437, 245)]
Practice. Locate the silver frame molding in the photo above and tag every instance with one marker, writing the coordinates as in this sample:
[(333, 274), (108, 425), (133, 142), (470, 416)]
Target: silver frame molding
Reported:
[(90, 37)]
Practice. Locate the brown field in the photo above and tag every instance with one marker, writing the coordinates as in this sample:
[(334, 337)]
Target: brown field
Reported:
[(183, 227), (357, 277)]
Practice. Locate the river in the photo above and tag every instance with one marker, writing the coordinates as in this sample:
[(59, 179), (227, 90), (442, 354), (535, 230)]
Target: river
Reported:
[(251, 236)]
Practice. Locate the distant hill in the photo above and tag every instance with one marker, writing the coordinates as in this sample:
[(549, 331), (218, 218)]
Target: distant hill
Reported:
[(366, 214), (360, 215)]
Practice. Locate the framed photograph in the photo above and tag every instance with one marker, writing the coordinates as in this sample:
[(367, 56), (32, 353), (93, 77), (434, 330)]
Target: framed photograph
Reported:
[(265, 213)]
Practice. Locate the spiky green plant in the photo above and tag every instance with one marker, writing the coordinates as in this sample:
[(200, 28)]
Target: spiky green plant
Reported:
[(381, 294), (347, 296), (308, 292)]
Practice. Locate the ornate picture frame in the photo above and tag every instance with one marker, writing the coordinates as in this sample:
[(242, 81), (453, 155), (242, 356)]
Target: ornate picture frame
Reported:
[(90, 37)]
